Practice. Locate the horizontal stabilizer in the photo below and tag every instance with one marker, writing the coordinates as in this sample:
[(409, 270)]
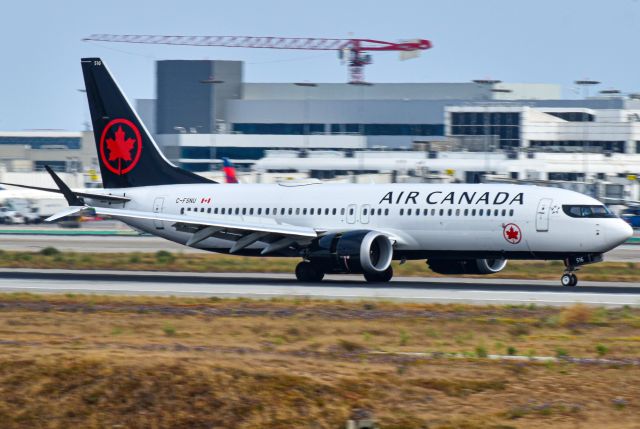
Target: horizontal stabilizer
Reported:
[(68, 212), (95, 196)]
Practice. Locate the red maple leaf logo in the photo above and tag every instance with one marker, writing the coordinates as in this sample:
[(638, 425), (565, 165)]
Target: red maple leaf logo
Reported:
[(512, 234), (120, 148)]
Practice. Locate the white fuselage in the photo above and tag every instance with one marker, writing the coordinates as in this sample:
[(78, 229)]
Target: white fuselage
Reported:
[(512, 220)]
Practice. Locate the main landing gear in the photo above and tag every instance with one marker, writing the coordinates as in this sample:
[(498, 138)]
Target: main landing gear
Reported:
[(307, 272)]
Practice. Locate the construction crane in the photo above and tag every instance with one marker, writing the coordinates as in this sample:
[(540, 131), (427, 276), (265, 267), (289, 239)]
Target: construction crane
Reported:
[(350, 50)]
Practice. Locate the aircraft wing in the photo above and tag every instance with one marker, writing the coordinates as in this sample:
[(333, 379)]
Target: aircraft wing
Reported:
[(277, 235)]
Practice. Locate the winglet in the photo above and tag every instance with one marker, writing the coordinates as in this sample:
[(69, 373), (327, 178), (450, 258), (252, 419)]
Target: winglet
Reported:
[(71, 198)]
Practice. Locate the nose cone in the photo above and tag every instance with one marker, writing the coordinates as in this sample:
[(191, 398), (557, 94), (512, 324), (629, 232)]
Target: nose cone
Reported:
[(619, 232)]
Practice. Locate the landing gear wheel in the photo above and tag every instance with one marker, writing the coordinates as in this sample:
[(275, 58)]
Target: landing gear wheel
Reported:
[(306, 272), (382, 277), (569, 279)]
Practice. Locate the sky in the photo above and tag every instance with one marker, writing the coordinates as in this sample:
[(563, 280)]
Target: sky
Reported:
[(551, 41)]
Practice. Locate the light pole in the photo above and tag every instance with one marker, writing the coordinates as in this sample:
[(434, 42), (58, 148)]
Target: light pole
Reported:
[(306, 129), (486, 83), (585, 84), (362, 86)]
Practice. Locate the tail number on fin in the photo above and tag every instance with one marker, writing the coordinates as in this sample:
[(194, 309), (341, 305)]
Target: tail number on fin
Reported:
[(120, 146)]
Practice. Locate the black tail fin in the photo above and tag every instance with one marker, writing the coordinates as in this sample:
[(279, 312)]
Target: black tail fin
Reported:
[(127, 154)]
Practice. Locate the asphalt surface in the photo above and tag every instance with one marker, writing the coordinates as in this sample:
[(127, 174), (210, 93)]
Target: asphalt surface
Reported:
[(449, 290), (120, 244)]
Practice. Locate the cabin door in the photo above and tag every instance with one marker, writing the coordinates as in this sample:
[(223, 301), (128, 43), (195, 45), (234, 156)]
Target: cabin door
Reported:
[(158, 205), (542, 215)]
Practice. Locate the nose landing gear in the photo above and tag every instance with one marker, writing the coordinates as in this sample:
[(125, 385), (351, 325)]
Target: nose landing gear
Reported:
[(569, 279)]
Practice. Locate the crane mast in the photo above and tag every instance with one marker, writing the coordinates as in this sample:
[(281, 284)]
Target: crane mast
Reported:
[(350, 50)]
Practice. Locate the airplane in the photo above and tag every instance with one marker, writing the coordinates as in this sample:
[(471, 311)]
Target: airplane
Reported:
[(332, 228)]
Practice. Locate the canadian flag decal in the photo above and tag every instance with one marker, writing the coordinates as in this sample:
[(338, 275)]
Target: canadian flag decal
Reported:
[(204, 200)]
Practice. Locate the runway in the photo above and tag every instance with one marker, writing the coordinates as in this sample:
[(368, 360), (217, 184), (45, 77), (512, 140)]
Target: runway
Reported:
[(120, 244), (264, 286)]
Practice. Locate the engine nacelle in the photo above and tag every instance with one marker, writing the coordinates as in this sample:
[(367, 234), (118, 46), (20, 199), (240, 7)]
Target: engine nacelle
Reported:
[(467, 266), (361, 251)]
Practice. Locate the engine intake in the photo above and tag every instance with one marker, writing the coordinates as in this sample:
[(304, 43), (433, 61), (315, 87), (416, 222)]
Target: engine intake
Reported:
[(361, 251), (467, 266)]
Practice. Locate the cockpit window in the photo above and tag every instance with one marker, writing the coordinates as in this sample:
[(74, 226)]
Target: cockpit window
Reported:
[(587, 211)]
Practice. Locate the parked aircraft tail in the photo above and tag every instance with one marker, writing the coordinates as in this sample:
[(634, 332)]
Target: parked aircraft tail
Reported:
[(229, 171), (127, 154)]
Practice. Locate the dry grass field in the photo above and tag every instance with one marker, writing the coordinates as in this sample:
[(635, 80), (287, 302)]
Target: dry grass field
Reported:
[(218, 263), (143, 362)]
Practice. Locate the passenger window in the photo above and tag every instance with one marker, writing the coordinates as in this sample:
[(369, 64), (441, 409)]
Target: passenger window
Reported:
[(237, 210), (282, 211), (202, 210), (457, 212), (298, 211), (511, 212), (417, 212), (364, 212), (209, 210), (433, 212), (441, 212), (449, 212), (259, 211), (188, 209), (480, 212), (290, 211), (473, 212), (182, 210), (401, 212), (504, 212), (244, 211), (488, 212), (266, 211), (466, 212), (495, 212), (312, 211), (425, 212), (408, 211), (334, 211), (251, 211), (342, 212)]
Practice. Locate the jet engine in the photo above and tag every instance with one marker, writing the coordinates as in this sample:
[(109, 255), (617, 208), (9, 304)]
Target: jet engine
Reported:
[(467, 266), (361, 251)]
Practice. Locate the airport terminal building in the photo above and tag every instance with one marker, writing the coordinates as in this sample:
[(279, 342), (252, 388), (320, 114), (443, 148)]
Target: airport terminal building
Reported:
[(205, 111)]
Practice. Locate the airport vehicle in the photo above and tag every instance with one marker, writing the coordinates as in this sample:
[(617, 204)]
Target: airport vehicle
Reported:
[(10, 216), (333, 228), (631, 215)]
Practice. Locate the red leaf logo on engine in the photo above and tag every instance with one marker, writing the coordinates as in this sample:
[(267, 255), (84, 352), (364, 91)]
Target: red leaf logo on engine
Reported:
[(124, 144)]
